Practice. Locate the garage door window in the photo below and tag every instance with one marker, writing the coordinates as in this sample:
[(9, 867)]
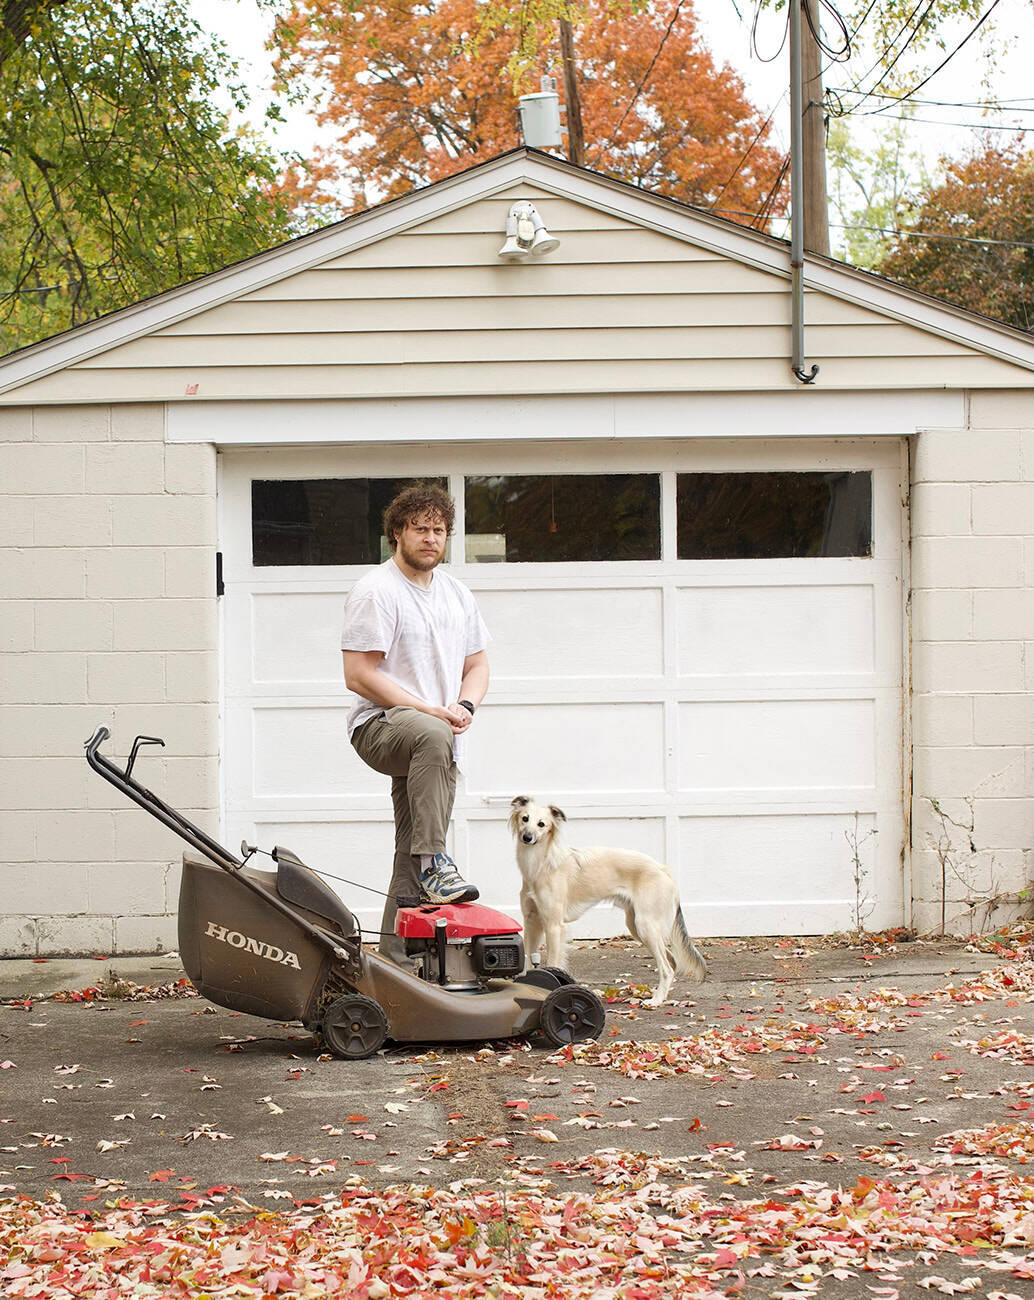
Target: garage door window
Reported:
[(321, 520), (542, 518), (774, 516)]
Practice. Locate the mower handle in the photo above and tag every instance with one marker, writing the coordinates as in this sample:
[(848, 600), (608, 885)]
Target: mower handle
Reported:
[(123, 780)]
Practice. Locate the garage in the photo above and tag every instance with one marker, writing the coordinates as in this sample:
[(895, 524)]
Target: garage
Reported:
[(776, 634), (697, 652)]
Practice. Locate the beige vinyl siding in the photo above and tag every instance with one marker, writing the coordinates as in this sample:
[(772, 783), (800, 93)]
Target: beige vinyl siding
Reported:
[(525, 312), (741, 374), (432, 311)]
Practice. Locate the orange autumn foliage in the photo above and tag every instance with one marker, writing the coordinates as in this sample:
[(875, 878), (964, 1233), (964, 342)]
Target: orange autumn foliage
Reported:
[(414, 92), (988, 196)]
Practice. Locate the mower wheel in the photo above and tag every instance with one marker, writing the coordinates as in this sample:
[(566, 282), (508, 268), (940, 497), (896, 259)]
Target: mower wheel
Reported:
[(547, 977), (572, 1014), (354, 1026)]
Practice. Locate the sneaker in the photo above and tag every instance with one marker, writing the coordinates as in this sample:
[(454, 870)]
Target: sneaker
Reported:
[(441, 882)]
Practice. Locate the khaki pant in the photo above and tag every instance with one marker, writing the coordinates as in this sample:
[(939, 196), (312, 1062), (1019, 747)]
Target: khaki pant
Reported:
[(415, 750)]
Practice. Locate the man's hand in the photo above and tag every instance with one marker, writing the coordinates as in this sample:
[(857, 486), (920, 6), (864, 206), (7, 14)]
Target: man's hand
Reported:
[(458, 718)]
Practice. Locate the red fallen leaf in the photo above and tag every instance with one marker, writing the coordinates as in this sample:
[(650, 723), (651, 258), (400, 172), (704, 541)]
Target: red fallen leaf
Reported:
[(696, 1126), (71, 1178), (440, 1086), (516, 1105), (135, 1024), (1019, 1105), (725, 1258), (458, 1114), (873, 1096), (358, 1119), (162, 1175), (543, 1117), (59, 1160), (939, 1056)]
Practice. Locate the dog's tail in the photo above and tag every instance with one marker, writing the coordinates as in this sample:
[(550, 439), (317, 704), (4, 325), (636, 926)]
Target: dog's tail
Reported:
[(689, 960)]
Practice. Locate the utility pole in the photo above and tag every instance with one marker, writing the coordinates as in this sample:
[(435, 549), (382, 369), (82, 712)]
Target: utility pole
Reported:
[(815, 203), (572, 101)]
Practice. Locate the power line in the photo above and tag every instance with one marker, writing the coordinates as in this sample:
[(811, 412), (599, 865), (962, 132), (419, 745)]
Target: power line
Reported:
[(750, 149), (902, 234), (912, 37), (894, 39), (639, 89), (994, 105), (944, 62), (936, 121), (929, 234)]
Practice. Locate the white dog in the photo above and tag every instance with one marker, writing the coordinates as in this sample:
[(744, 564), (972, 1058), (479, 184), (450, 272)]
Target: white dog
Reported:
[(560, 883)]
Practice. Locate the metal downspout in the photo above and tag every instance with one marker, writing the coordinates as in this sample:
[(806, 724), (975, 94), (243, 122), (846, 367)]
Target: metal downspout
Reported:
[(797, 200)]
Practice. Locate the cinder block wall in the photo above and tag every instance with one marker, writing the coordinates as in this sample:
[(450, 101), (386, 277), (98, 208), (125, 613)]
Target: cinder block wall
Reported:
[(973, 668), (107, 616)]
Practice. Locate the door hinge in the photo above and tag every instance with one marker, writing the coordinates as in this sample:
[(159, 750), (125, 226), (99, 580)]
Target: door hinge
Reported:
[(220, 586)]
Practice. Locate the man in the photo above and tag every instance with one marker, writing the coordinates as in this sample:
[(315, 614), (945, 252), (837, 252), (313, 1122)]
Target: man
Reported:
[(414, 654)]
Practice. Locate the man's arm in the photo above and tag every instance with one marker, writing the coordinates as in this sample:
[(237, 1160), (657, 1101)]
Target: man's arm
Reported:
[(474, 686), (363, 675)]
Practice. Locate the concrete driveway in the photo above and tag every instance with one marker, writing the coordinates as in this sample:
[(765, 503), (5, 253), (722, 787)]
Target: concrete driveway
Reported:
[(789, 1067)]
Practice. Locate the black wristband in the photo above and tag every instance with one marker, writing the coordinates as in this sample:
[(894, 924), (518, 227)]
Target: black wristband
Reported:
[(466, 704)]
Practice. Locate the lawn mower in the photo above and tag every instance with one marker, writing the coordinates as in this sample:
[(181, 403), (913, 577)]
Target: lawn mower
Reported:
[(282, 944)]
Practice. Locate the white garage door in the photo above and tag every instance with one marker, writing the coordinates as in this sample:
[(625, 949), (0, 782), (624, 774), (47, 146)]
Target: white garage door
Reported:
[(697, 652)]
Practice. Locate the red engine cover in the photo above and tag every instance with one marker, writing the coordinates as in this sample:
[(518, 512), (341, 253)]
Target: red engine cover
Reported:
[(462, 921)]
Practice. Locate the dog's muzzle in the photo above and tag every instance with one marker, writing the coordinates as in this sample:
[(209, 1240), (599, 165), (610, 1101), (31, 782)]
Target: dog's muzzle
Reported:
[(528, 839)]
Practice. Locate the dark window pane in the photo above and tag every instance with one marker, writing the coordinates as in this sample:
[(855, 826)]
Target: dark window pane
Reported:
[(540, 518), (771, 516), (321, 520)]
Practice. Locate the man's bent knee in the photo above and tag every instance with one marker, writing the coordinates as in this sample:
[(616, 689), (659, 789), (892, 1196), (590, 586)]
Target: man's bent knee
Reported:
[(431, 735)]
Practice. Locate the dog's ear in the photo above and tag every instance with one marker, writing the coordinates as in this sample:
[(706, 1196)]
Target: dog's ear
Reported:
[(516, 805), (558, 813)]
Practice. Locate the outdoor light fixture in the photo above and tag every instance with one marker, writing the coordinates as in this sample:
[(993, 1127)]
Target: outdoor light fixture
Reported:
[(526, 234)]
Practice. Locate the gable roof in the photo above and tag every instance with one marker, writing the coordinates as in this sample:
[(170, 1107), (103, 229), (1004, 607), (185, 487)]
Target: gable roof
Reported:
[(713, 249)]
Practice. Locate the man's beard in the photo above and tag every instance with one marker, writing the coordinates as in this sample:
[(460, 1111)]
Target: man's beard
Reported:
[(417, 558)]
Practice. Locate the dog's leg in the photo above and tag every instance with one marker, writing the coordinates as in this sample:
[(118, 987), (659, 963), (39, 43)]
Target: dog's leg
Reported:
[(556, 949), (533, 928), (653, 938), (630, 922)]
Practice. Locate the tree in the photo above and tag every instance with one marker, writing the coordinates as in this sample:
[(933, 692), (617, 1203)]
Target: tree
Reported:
[(896, 31), (418, 91), (118, 176), (972, 241), (868, 185)]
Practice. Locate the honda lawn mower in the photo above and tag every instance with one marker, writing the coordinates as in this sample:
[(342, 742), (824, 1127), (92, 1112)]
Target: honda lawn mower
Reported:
[(281, 944)]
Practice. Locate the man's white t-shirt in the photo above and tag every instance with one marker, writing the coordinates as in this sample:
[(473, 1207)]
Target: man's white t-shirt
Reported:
[(424, 633)]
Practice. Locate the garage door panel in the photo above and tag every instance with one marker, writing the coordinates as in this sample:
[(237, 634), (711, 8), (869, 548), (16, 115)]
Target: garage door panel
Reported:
[(768, 631), (772, 862), (555, 748), (303, 752), (783, 744), (574, 632), (296, 637)]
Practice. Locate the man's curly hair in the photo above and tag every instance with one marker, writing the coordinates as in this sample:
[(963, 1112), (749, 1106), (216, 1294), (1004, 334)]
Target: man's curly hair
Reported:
[(418, 499)]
